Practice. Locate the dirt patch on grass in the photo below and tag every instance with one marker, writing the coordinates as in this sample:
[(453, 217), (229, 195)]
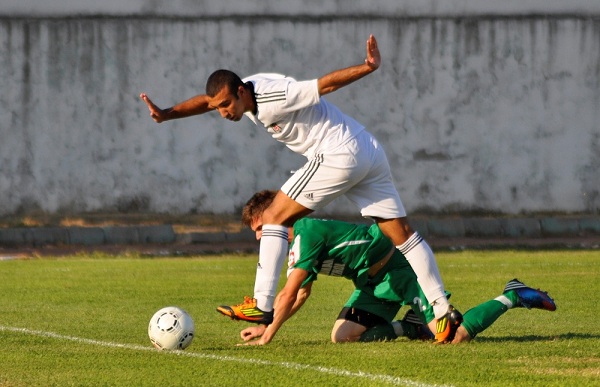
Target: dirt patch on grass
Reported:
[(180, 223)]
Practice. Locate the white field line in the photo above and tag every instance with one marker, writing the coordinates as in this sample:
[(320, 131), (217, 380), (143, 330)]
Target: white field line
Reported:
[(288, 365)]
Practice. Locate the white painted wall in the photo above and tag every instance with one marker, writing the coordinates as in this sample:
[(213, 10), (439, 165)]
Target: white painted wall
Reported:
[(492, 112), (210, 8)]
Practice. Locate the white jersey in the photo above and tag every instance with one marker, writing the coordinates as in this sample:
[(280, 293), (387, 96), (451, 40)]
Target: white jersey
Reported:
[(295, 114)]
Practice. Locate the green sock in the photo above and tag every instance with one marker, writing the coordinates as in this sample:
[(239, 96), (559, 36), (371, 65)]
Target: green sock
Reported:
[(513, 297), (479, 318), (379, 333)]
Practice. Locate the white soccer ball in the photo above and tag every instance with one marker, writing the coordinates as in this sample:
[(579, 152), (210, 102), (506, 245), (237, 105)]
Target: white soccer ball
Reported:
[(171, 328)]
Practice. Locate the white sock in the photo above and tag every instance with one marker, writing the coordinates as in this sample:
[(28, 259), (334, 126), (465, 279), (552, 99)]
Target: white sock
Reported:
[(421, 259), (503, 299), (397, 328), (272, 252)]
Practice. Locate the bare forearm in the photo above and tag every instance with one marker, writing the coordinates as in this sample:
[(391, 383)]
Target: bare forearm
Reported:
[(301, 298), (191, 107), (285, 306), (340, 78), (283, 311)]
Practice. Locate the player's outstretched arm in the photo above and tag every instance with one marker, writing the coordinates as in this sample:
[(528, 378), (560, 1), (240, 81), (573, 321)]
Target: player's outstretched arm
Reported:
[(301, 297), (256, 332), (340, 78), (284, 308), (191, 107)]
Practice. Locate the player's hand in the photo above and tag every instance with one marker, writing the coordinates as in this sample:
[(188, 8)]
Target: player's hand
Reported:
[(255, 342), (157, 114), (252, 332), (373, 56)]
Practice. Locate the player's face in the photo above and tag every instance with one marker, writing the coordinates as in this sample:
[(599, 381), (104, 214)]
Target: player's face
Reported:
[(229, 105), (256, 226)]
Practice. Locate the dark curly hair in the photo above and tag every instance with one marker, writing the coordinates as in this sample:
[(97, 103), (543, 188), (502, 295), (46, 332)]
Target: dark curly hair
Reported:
[(257, 204)]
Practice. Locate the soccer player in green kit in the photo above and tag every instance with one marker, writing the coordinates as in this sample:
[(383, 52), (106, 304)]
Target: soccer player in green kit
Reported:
[(383, 279)]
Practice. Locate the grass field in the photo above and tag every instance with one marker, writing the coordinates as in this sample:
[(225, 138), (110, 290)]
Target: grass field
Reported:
[(82, 321)]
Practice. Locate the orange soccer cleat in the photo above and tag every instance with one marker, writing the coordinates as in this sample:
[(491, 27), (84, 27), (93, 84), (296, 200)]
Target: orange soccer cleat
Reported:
[(247, 311), (447, 325)]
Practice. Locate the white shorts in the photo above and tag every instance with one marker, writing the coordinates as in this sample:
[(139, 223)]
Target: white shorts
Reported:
[(358, 169)]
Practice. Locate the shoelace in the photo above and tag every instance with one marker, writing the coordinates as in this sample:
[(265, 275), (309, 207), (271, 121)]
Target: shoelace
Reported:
[(248, 302)]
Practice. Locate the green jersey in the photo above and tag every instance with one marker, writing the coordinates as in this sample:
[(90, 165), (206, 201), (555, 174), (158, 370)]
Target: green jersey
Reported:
[(348, 250), (336, 248)]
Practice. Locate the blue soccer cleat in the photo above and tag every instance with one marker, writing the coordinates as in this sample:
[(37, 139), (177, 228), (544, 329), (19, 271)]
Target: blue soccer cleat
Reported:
[(529, 297)]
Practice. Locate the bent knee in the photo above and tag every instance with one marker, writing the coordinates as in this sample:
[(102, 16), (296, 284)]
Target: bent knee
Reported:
[(284, 211), (337, 338), (398, 229), (345, 331)]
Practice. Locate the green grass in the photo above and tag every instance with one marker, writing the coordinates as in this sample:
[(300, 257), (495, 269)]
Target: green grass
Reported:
[(81, 321)]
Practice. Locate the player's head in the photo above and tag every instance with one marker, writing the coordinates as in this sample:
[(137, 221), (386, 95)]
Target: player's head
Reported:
[(228, 95), (220, 79), (257, 204), (254, 208)]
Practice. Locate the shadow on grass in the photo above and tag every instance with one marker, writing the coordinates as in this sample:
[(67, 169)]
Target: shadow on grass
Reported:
[(507, 339), (275, 344), (532, 338)]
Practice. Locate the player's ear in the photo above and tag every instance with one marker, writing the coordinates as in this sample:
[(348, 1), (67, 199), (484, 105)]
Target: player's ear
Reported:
[(244, 94), (241, 91)]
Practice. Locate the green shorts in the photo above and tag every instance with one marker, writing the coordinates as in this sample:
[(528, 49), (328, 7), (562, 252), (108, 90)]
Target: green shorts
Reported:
[(395, 285)]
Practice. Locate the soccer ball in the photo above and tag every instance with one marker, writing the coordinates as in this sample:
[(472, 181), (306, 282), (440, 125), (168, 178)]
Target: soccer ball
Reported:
[(171, 328)]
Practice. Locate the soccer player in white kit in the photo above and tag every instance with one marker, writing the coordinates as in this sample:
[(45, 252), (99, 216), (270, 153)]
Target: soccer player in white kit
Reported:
[(343, 159)]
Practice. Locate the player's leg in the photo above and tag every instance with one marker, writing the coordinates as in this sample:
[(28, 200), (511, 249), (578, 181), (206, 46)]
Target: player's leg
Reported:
[(311, 187), (378, 198), (352, 323), (281, 213), (376, 301), (398, 282), (423, 262), (317, 183), (358, 325), (421, 259), (516, 294), (365, 318)]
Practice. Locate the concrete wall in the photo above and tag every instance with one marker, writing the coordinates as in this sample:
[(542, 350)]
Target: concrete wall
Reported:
[(492, 108)]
